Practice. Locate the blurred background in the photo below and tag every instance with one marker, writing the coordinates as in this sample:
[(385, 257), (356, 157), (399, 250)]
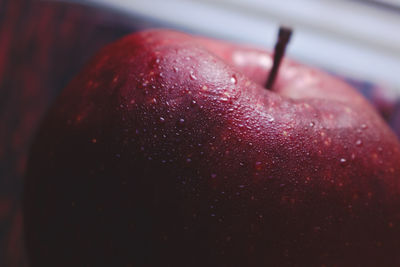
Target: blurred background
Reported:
[(43, 44)]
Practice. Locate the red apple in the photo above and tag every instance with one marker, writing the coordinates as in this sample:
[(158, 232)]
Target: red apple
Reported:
[(166, 150)]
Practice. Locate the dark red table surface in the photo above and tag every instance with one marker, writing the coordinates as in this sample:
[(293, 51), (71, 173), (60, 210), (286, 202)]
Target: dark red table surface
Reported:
[(42, 46)]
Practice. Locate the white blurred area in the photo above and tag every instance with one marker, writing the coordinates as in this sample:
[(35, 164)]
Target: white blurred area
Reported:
[(357, 38)]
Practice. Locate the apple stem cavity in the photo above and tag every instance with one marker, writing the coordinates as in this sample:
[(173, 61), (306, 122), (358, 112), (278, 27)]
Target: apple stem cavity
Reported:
[(280, 46)]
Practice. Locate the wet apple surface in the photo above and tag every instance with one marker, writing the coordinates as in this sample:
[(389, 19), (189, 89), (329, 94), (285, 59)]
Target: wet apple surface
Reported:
[(167, 150)]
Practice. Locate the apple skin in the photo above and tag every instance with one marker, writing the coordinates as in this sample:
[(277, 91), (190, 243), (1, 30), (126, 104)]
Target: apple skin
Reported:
[(166, 150)]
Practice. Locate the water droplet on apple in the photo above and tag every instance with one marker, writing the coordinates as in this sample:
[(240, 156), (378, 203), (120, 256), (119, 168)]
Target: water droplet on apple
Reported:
[(312, 124), (270, 119), (193, 103), (162, 119), (181, 121), (176, 69), (359, 142), (188, 160), (343, 161), (233, 79), (224, 99), (192, 76), (364, 126), (157, 60)]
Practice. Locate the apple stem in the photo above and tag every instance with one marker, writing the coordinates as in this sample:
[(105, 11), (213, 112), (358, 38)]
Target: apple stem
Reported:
[(279, 51)]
